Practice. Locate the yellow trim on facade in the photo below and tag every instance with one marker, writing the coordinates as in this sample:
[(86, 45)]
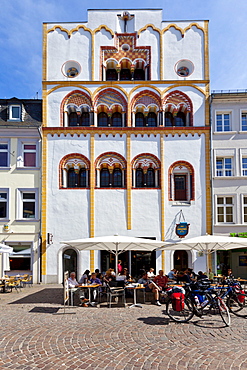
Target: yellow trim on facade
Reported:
[(178, 84), (182, 30), (147, 85), (92, 185), (162, 185), (206, 51), (146, 26), (70, 32), (163, 260), (129, 184), (125, 131), (92, 198), (44, 62), (105, 27), (207, 106), (92, 258), (161, 59), (65, 84), (44, 109), (92, 56), (208, 184), (162, 196), (43, 205), (129, 82), (107, 87)]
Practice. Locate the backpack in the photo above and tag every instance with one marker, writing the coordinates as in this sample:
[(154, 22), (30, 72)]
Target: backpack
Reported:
[(241, 296), (177, 301)]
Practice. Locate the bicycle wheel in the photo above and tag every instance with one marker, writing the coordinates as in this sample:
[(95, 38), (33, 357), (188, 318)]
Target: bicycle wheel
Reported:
[(180, 316), (237, 305), (224, 312)]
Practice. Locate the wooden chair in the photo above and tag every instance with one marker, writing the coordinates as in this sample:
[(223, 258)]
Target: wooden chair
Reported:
[(13, 283), (27, 280)]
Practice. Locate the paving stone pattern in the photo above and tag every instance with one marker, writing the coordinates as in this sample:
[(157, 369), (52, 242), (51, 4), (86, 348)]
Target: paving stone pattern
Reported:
[(36, 334)]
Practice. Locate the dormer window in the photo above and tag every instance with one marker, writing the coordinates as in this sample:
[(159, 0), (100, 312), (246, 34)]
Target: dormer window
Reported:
[(15, 112)]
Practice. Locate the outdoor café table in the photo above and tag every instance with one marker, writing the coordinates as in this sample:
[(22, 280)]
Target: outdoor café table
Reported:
[(89, 287), (134, 288), (243, 282)]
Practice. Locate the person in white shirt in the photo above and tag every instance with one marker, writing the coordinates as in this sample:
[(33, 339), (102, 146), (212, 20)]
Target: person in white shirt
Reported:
[(73, 283), (150, 273)]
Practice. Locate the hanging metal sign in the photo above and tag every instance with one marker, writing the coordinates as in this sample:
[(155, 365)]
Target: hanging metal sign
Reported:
[(182, 229)]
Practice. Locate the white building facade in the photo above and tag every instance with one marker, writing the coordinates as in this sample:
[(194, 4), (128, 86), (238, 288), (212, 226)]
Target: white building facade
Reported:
[(229, 171), (20, 183), (126, 137)]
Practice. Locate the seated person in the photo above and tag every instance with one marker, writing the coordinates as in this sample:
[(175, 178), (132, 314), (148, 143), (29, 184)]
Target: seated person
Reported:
[(161, 280), (201, 276), (94, 280), (72, 281), (230, 274), (121, 277), (172, 275), (109, 275), (192, 274), (185, 276), (210, 275), (150, 273), (85, 277), (150, 287), (127, 274), (73, 285), (98, 274)]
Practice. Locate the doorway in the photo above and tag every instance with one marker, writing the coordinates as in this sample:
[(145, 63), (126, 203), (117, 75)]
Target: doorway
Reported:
[(70, 261), (180, 260)]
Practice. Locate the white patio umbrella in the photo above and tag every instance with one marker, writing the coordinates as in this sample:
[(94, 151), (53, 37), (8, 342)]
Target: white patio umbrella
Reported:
[(5, 248), (5, 261), (207, 244), (115, 244)]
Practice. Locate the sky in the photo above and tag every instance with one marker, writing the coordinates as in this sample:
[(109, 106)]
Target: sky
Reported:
[(21, 37)]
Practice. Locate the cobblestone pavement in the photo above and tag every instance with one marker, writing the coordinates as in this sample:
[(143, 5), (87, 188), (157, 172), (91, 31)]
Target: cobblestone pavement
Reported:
[(36, 334)]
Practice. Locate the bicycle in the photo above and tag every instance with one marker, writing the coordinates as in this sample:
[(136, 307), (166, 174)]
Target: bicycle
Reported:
[(209, 298), (236, 298)]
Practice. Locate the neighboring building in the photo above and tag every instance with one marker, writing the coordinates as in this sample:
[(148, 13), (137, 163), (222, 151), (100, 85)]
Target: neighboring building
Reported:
[(229, 173), (126, 137), (20, 180)]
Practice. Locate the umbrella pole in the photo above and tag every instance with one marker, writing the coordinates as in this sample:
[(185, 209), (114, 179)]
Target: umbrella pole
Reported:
[(207, 269), (116, 260)]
